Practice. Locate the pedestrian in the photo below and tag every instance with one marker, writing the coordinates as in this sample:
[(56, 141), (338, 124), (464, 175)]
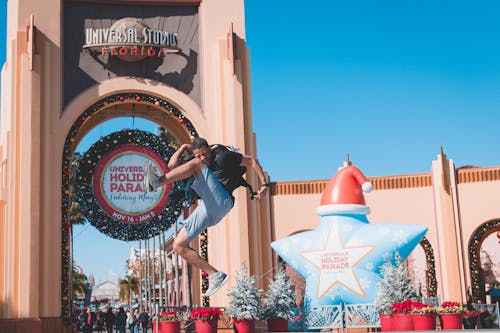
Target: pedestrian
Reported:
[(121, 320), (109, 319), (99, 322), (217, 173), (88, 322), (81, 321), (144, 320), (131, 321)]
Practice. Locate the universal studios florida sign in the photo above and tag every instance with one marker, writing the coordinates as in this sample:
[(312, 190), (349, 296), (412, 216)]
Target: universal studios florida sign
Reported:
[(130, 39)]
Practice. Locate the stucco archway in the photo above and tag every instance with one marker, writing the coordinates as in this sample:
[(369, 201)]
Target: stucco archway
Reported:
[(474, 248)]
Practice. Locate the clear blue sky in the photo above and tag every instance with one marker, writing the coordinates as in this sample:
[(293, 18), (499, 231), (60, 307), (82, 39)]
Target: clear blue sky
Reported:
[(388, 82)]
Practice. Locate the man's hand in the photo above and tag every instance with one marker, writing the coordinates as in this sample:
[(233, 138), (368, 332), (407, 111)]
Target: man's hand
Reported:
[(262, 192), (176, 158), (185, 147)]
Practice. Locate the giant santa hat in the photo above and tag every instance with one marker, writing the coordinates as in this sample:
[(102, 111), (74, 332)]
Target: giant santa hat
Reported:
[(344, 193)]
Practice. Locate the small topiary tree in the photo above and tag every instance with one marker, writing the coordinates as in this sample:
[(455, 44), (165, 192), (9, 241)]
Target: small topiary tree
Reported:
[(244, 302), (395, 285), (279, 299)]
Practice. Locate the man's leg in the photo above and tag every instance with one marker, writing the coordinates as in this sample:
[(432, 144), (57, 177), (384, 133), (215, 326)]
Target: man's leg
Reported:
[(182, 248), (216, 278), (186, 170)]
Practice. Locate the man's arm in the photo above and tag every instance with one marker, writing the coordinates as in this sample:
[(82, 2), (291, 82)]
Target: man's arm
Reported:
[(175, 160), (249, 161)]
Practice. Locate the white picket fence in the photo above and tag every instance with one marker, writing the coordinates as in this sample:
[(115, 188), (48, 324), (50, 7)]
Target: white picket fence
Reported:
[(341, 317), (362, 315)]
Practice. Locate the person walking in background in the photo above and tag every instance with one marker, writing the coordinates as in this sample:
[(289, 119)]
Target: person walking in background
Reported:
[(99, 321), (144, 321), (121, 320), (88, 322), (217, 172), (131, 320), (109, 318)]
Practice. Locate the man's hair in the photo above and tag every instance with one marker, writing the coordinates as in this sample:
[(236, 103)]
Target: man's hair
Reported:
[(199, 143)]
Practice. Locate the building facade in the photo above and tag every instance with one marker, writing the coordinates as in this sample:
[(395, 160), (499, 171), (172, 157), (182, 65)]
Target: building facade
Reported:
[(184, 65)]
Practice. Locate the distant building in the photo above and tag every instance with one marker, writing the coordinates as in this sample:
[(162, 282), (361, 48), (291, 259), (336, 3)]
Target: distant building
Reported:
[(106, 291)]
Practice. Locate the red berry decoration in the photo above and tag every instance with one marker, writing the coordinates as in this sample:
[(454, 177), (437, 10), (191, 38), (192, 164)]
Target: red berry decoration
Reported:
[(138, 98), (181, 121), (122, 98), (204, 274)]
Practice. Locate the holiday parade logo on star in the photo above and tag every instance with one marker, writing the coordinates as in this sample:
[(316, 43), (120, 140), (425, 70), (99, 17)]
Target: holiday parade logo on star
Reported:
[(336, 263)]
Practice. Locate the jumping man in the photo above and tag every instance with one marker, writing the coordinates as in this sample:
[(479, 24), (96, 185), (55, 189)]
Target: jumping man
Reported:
[(216, 176)]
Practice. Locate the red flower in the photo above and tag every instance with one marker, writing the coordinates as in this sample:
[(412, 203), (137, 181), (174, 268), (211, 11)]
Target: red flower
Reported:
[(471, 314), (205, 313), (402, 307), (168, 316), (449, 304)]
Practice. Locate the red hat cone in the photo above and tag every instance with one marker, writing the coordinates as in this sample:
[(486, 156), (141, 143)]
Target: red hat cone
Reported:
[(344, 193)]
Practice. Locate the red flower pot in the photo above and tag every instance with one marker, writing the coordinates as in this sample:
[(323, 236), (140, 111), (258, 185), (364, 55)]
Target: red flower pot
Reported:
[(173, 326), (154, 327), (386, 322), (451, 321), (402, 322), (244, 325), (424, 322), (206, 326), (277, 325)]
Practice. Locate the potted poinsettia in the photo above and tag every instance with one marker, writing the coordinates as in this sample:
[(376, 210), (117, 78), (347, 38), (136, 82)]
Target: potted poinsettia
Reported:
[(279, 301), (401, 316), (423, 316), (170, 322), (206, 319), (451, 314), (244, 302)]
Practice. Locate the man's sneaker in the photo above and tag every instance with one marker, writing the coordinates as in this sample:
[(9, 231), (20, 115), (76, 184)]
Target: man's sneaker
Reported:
[(150, 178), (216, 282)]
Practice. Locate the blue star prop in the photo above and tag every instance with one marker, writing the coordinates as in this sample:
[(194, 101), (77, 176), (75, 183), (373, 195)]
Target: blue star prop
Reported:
[(341, 259)]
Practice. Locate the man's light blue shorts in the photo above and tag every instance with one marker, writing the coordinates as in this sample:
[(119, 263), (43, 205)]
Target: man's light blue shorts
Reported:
[(214, 205)]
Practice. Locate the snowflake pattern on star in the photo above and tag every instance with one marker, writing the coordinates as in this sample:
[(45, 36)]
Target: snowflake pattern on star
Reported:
[(347, 228), (369, 266), (400, 237), (365, 282), (285, 247)]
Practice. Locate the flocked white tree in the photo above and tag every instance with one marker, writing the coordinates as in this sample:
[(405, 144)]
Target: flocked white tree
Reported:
[(279, 299), (395, 285), (244, 297)]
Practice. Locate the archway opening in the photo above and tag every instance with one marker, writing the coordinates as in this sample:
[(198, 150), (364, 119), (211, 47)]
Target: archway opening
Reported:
[(141, 113)]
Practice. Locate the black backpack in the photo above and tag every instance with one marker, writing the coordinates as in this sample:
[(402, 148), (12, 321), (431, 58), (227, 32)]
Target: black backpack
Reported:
[(183, 192)]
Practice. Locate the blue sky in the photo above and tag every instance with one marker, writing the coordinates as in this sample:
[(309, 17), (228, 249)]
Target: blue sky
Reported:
[(388, 82)]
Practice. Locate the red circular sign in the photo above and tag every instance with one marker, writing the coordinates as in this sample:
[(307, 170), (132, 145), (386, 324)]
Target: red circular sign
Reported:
[(118, 184)]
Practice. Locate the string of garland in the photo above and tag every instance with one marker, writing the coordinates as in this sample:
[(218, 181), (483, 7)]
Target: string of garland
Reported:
[(205, 301), (90, 207), (431, 267), (474, 257), (68, 150)]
